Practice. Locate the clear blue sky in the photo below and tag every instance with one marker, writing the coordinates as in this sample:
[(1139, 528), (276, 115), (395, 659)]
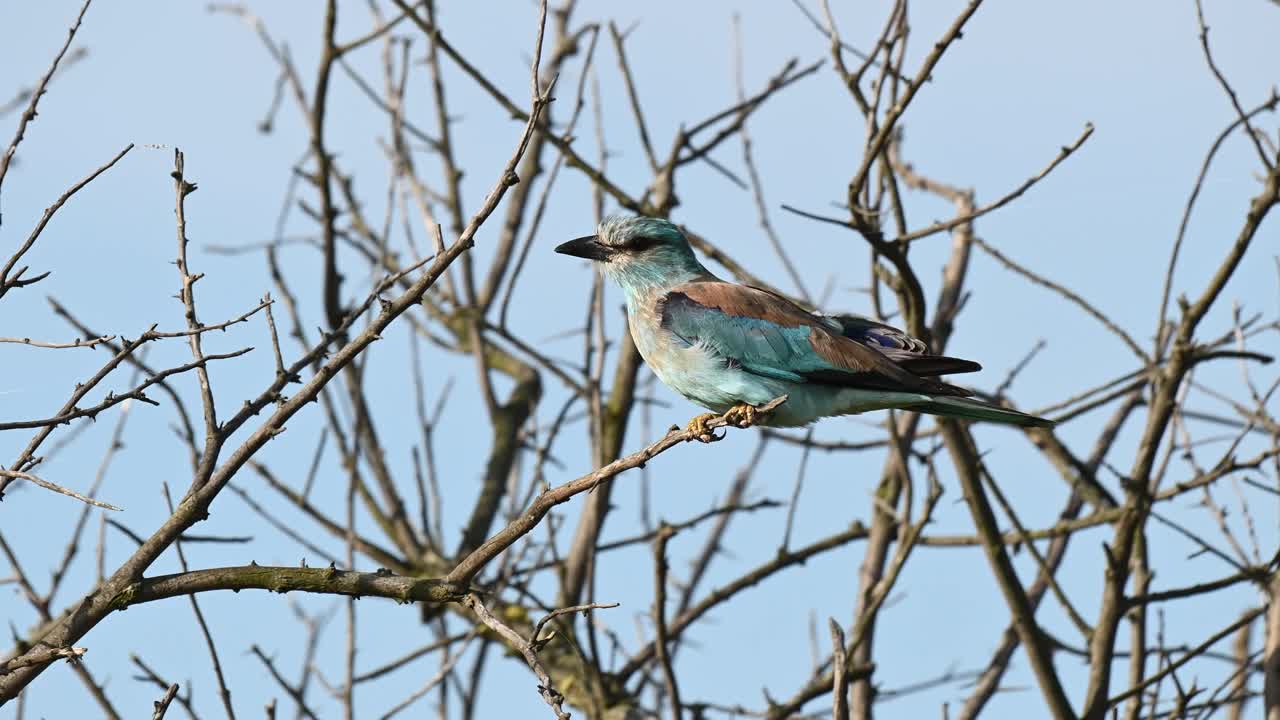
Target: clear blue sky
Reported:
[(1023, 81)]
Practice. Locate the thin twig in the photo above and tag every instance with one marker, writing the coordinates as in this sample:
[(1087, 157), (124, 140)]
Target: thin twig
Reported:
[(162, 705), (56, 488), (30, 113)]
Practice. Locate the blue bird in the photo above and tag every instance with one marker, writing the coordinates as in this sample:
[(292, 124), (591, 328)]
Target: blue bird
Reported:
[(731, 348)]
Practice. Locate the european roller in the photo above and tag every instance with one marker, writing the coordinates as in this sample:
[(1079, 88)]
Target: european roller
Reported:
[(732, 348)]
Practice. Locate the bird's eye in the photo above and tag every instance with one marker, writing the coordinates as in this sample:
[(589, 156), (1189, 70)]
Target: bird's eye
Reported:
[(640, 243)]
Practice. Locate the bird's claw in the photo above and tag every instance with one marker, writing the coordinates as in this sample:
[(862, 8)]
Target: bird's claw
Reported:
[(700, 431), (741, 415)]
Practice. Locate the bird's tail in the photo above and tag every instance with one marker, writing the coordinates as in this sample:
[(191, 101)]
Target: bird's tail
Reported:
[(971, 409)]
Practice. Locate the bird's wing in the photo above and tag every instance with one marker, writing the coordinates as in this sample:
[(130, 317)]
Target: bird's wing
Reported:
[(769, 336), (910, 352)]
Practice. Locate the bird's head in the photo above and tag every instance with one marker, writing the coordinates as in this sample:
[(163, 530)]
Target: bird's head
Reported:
[(638, 252)]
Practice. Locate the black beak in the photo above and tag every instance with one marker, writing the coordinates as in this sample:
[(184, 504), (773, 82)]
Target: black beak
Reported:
[(585, 247)]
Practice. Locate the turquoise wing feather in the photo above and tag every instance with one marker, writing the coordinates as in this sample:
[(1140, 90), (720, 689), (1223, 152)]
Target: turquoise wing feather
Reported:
[(758, 346)]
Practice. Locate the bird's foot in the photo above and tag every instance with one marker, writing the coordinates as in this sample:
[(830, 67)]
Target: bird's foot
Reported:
[(698, 427), (742, 415)]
